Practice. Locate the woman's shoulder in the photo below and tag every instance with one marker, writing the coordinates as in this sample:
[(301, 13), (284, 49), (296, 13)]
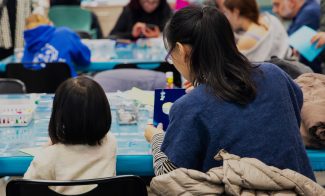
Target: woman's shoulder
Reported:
[(253, 37), (270, 71), (127, 9), (268, 68), (246, 42), (197, 97), (167, 10), (273, 22)]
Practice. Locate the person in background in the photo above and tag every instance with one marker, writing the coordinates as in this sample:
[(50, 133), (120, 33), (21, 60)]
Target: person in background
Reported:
[(301, 12), (45, 43), (80, 146), (94, 20), (142, 18), (261, 36), (12, 22), (251, 110)]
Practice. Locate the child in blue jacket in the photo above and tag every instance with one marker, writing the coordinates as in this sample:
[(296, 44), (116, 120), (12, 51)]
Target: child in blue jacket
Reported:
[(46, 43)]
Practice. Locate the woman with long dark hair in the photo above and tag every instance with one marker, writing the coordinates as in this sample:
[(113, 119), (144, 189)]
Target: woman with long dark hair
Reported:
[(142, 18), (248, 110)]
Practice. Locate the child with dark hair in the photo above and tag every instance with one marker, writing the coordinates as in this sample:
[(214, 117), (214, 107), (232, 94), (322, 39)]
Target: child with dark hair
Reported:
[(81, 145), (142, 18), (251, 110)]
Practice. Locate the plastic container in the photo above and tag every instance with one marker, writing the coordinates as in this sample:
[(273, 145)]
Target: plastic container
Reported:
[(16, 112)]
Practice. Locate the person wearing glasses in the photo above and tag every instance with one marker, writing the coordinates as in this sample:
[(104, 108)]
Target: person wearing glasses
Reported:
[(142, 18), (250, 110)]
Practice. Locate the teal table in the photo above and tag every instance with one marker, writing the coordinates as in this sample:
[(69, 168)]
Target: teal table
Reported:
[(133, 155), (105, 56)]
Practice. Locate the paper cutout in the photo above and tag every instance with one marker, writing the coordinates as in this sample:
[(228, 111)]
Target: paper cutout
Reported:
[(164, 98), (144, 97)]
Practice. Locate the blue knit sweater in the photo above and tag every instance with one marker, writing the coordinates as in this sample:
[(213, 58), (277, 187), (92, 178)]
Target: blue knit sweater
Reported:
[(266, 129)]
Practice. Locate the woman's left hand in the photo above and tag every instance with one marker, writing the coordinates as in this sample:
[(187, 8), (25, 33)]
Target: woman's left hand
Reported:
[(150, 131), (151, 33)]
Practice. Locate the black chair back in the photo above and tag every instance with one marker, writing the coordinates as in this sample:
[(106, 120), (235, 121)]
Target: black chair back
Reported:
[(45, 80), (113, 186), (84, 34), (11, 86)]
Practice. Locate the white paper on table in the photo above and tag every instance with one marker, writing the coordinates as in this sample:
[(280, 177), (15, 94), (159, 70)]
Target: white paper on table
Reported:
[(145, 97)]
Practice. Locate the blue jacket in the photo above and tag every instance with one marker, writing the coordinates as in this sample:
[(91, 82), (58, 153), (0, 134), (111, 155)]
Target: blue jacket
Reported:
[(49, 44), (267, 128), (309, 15)]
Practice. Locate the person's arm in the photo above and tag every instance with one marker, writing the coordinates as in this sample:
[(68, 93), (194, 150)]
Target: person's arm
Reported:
[(161, 163), (246, 43), (155, 136)]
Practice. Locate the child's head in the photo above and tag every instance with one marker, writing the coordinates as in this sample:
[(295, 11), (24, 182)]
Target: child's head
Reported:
[(202, 47), (81, 113), (36, 20)]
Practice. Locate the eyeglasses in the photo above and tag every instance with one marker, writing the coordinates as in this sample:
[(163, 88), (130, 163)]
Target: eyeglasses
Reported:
[(169, 59)]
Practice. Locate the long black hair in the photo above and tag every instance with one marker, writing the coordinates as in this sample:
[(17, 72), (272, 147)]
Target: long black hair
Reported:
[(214, 59)]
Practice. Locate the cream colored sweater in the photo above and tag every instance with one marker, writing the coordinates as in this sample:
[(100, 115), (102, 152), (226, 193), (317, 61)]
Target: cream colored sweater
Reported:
[(74, 162)]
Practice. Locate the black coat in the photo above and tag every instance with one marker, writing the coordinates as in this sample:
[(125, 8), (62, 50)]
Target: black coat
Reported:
[(128, 18)]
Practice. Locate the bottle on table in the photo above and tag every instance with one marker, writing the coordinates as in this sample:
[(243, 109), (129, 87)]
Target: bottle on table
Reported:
[(169, 80)]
